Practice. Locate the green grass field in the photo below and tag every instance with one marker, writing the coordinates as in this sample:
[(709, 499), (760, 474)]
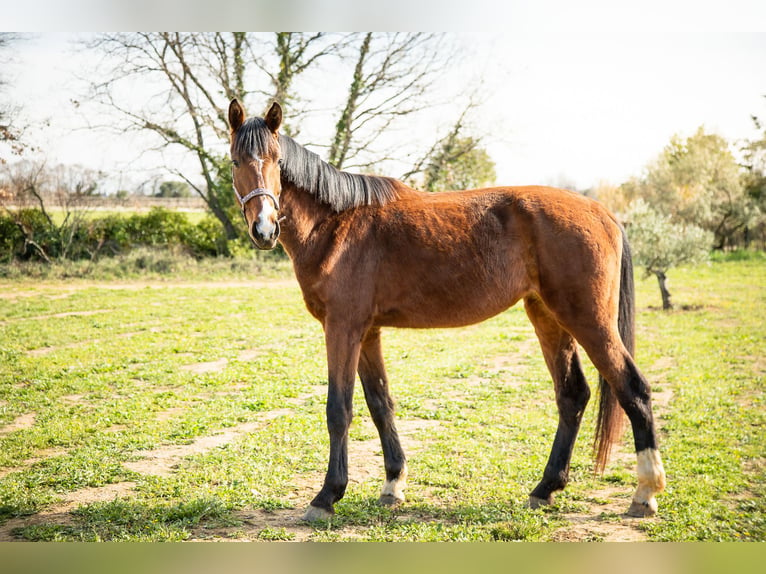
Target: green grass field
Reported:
[(190, 410)]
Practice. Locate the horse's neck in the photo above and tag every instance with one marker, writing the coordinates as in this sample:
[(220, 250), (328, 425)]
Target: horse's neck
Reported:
[(303, 215)]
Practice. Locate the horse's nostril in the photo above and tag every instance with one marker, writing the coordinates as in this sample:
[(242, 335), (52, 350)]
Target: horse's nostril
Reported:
[(257, 232), (269, 232)]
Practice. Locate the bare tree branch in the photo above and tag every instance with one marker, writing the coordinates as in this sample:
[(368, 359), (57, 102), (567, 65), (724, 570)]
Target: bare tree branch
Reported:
[(392, 74)]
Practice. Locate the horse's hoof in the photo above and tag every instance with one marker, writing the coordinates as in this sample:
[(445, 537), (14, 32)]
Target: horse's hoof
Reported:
[(390, 500), (535, 502), (642, 509), (314, 513)]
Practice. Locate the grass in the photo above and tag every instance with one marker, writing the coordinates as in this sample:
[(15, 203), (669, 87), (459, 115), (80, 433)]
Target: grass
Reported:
[(152, 263), (108, 392)]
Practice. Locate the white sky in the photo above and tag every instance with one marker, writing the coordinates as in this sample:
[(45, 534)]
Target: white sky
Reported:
[(562, 104)]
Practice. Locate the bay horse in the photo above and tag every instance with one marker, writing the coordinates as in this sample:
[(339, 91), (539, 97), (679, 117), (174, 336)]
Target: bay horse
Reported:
[(370, 252)]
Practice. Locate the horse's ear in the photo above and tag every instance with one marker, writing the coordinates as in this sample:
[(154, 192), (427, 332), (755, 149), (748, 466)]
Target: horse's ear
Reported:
[(274, 117), (236, 115)]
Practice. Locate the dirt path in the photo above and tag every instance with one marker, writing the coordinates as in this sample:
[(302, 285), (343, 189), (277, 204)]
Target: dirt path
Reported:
[(21, 422), (61, 290)]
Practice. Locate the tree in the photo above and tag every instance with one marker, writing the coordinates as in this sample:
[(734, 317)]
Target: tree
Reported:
[(455, 161), (754, 178), (33, 191), (614, 197), (459, 164), (9, 133), (174, 189), (391, 75), (697, 181), (659, 244), (196, 75), (295, 53)]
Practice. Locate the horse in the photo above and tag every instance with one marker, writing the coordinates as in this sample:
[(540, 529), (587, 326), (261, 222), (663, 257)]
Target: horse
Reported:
[(370, 252)]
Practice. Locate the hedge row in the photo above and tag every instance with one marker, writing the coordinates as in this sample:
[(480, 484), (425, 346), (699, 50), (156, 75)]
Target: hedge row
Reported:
[(29, 235)]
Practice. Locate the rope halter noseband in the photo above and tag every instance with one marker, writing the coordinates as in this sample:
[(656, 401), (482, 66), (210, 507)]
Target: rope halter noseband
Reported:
[(254, 193)]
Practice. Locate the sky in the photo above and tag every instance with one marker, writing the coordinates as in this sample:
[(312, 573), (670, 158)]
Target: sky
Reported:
[(561, 103)]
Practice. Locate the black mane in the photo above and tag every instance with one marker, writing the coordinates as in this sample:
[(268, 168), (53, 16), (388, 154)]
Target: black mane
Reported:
[(306, 170)]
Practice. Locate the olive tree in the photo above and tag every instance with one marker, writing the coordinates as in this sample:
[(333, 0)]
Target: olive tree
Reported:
[(659, 244)]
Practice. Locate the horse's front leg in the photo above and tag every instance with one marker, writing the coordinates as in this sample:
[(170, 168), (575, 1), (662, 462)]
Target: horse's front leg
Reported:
[(343, 344), (372, 372)]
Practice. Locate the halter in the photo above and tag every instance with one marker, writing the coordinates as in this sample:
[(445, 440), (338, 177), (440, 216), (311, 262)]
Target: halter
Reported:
[(255, 193)]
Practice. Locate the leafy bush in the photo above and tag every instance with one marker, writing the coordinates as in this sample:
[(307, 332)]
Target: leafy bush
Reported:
[(10, 239), (29, 235)]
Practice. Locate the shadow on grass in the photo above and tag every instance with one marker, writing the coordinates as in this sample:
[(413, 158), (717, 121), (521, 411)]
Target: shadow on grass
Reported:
[(356, 519)]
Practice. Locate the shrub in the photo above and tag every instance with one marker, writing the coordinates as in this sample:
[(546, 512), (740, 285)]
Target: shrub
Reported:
[(10, 239), (112, 235)]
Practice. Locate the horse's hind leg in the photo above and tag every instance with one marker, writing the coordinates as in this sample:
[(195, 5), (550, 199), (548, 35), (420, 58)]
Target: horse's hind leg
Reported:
[(372, 372), (572, 394), (634, 395)]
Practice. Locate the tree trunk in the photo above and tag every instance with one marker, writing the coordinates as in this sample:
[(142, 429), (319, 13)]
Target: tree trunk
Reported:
[(344, 128), (223, 217), (662, 279)]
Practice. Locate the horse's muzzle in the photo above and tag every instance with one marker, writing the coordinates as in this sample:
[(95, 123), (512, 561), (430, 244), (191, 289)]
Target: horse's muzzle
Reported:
[(265, 237)]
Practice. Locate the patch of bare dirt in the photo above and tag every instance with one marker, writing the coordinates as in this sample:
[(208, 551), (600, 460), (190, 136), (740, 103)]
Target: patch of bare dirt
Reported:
[(57, 316), (74, 399), (662, 365), (168, 414), (755, 465), (757, 363), (249, 355), (21, 422), (208, 367), (65, 290), (257, 521), (661, 400), (163, 461), (603, 521), (47, 350), (39, 456)]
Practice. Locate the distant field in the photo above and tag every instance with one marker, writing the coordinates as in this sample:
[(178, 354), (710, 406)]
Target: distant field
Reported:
[(193, 208), (168, 410)]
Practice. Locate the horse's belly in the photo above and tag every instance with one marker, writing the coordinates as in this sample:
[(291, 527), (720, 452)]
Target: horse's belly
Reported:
[(427, 315)]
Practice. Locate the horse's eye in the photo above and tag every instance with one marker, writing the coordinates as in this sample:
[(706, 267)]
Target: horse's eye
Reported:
[(235, 163), (279, 161)]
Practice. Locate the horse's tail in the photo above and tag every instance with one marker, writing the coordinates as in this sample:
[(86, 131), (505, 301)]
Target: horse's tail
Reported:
[(611, 422)]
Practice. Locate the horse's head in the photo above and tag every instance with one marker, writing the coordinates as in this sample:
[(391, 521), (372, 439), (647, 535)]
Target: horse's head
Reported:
[(255, 171)]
